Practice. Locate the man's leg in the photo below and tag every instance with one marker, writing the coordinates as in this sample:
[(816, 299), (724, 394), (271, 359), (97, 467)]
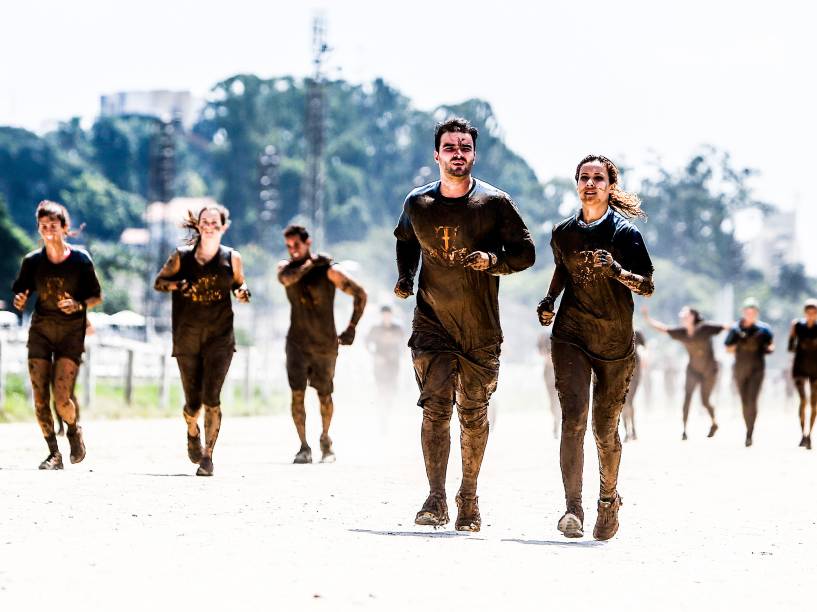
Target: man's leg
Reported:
[(813, 401), (573, 373), (321, 377), (297, 376), (800, 385), (65, 378), (39, 371), (190, 371), (754, 384), (435, 372)]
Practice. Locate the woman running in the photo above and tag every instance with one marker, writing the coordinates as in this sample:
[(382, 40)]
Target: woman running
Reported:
[(702, 368), (201, 276), (64, 279), (601, 261), (750, 340), (803, 343)]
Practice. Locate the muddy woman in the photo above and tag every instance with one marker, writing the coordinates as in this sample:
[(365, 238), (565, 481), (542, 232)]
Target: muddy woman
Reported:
[(201, 276), (63, 277), (601, 260)]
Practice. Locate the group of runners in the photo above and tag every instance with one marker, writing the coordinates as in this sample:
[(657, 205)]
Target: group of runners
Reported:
[(458, 235)]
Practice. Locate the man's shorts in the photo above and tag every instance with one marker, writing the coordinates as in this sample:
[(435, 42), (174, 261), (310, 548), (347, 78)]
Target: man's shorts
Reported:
[(307, 368)]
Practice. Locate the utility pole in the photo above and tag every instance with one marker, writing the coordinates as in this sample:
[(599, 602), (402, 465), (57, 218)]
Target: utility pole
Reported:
[(312, 204)]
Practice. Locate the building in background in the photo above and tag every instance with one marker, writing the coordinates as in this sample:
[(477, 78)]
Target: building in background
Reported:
[(160, 103)]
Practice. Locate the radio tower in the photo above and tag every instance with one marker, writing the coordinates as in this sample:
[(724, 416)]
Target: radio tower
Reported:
[(312, 196)]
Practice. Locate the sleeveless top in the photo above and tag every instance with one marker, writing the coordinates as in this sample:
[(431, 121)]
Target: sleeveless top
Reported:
[(203, 314), (312, 316)]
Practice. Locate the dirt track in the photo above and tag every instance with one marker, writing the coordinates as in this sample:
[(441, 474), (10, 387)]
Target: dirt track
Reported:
[(706, 524)]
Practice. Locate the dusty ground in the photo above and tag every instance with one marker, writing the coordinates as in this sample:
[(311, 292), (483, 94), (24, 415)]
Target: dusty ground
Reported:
[(707, 524)]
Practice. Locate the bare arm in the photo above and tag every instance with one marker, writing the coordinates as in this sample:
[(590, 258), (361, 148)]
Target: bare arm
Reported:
[(655, 324), (349, 287), (169, 270), (793, 337), (240, 289), (289, 274)]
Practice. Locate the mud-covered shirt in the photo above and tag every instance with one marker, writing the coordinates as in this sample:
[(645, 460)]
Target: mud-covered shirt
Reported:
[(74, 278), (596, 311), (698, 345), (458, 307), (312, 316), (751, 344)]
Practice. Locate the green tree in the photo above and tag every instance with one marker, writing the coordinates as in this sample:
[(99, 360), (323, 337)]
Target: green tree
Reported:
[(15, 245)]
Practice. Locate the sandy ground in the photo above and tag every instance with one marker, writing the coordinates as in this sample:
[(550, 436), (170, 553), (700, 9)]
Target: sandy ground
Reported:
[(706, 524)]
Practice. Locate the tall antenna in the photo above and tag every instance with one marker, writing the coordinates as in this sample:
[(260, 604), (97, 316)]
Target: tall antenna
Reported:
[(312, 205)]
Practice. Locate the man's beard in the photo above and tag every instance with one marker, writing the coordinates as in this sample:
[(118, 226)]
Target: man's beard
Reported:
[(463, 170)]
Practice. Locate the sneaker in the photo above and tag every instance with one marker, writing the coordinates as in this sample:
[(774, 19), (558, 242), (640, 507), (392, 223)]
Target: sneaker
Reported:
[(712, 430), (748, 442), (52, 462), (77, 445), (327, 454), (607, 519), (684, 436), (468, 518), (205, 467), (803, 442), (304, 455), (808, 442), (194, 450), (571, 526), (434, 511)]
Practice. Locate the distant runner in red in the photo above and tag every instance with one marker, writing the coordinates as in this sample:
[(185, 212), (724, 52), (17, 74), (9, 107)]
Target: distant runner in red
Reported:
[(64, 279)]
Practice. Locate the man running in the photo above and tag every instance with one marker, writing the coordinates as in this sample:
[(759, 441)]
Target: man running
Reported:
[(803, 343), (312, 340), (750, 340), (385, 341), (467, 234)]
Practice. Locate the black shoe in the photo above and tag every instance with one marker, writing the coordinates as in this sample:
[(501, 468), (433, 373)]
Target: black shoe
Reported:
[(194, 450), (77, 445), (304, 455), (468, 518), (52, 462), (434, 511), (205, 467), (684, 436), (712, 430), (748, 442), (808, 442), (803, 442)]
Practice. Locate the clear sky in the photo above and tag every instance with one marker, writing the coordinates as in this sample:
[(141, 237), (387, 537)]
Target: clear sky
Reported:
[(632, 79)]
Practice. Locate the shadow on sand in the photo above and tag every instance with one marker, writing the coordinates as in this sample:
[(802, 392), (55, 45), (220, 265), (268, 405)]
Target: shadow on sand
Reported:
[(413, 534), (580, 544)]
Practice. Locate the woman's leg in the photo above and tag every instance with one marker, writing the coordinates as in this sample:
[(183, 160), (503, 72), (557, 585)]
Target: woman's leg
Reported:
[(190, 371), (710, 379), (691, 381), (216, 366)]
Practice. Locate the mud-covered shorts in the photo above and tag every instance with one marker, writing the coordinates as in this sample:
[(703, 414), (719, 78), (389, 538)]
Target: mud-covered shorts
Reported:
[(316, 369), (446, 375), (52, 338)]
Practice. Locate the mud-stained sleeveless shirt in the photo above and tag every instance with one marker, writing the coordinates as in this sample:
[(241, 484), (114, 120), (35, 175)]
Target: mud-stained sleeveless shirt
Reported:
[(312, 316)]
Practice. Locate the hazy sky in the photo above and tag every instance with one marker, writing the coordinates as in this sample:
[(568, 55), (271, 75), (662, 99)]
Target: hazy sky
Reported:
[(627, 78)]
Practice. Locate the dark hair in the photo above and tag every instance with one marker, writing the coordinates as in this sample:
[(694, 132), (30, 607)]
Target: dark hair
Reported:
[(54, 210), (454, 124), (385, 308), (624, 202), (696, 314), (296, 230), (191, 223)]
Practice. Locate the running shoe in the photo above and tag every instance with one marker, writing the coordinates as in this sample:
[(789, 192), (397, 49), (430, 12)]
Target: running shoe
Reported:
[(77, 445), (304, 455), (570, 525), (808, 442), (607, 519), (468, 518), (748, 442), (712, 430), (194, 450), (803, 442), (52, 462), (434, 511), (327, 454), (684, 436), (205, 467)]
